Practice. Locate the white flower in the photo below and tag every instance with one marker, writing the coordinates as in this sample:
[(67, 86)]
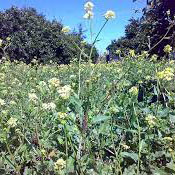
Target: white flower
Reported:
[(12, 102), (52, 105), (49, 106), (89, 6), (33, 97), (12, 122), (72, 76), (66, 29), (54, 82), (65, 91), (42, 83), (168, 12), (2, 102), (60, 164), (88, 15), (110, 15)]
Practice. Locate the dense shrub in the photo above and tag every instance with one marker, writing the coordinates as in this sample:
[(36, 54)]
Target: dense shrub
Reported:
[(33, 36)]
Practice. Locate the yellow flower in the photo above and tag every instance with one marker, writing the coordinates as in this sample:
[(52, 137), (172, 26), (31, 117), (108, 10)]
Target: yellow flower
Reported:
[(8, 38), (167, 49), (148, 77), (134, 90), (160, 75), (83, 42), (62, 115), (66, 29), (168, 139), (88, 15), (170, 150), (166, 74), (60, 164), (110, 15), (2, 102), (114, 109), (54, 82), (154, 57), (132, 53), (145, 53), (126, 147), (89, 6), (12, 122), (118, 52), (151, 120), (43, 151), (172, 62)]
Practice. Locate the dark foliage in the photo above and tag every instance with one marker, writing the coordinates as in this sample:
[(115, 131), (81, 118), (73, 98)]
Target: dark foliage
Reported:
[(33, 36), (145, 33)]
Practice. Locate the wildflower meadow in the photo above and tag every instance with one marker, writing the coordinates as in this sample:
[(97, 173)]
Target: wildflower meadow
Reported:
[(88, 119)]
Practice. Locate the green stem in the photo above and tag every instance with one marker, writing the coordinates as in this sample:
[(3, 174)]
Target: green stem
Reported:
[(140, 146), (96, 39), (65, 132), (79, 74)]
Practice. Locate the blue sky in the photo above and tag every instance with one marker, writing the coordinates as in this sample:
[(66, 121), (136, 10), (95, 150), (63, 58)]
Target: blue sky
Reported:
[(70, 12)]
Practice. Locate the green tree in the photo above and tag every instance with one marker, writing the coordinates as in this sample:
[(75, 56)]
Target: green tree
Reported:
[(152, 32), (33, 36)]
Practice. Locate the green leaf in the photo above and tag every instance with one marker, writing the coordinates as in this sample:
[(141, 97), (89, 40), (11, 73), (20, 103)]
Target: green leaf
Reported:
[(171, 167), (133, 156), (172, 118), (100, 118), (155, 90)]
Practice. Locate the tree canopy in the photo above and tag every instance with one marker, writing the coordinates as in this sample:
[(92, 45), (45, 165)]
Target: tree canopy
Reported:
[(152, 32), (33, 36)]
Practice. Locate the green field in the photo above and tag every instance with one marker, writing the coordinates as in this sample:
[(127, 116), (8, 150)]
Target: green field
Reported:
[(106, 119)]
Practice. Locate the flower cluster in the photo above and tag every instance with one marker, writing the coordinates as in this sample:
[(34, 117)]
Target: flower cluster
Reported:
[(118, 52), (89, 10), (151, 120), (49, 106), (110, 15), (62, 115), (2, 102), (134, 90), (60, 164), (33, 97), (54, 82), (65, 91), (166, 74), (132, 53), (12, 122), (170, 139), (65, 29), (167, 49)]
